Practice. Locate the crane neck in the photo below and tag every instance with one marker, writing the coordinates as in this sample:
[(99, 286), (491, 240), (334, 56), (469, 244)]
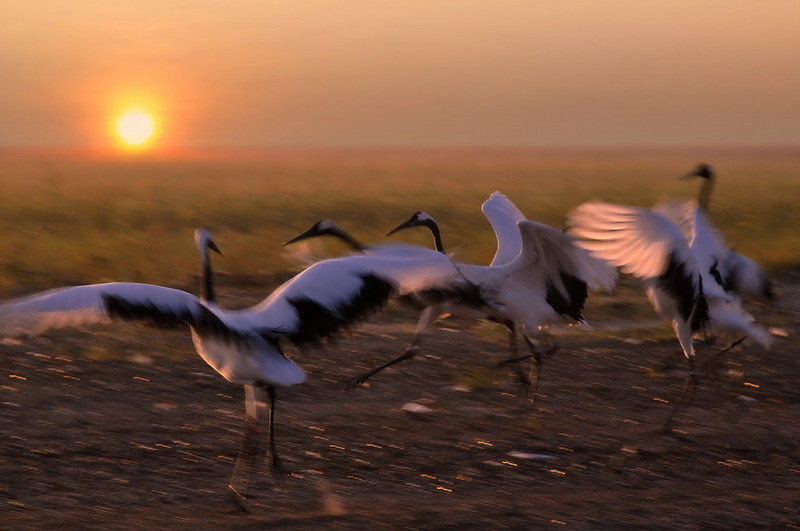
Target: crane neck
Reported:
[(437, 235), (704, 197), (206, 278), (352, 242)]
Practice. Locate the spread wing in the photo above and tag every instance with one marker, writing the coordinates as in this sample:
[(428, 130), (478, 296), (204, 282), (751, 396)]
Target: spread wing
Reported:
[(504, 215), (639, 241), (332, 294), (100, 303)]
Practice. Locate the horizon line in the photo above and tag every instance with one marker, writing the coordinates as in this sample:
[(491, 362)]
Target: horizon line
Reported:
[(255, 150)]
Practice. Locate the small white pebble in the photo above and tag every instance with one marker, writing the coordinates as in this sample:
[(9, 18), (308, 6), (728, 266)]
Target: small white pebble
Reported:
[(778, 332), (141, 359), (413, 407)]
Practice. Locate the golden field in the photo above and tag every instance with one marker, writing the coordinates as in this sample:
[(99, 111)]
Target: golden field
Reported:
[(79, 218)]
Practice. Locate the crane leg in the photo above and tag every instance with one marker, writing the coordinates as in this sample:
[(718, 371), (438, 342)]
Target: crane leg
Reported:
[(689, 388), (712, 366), (407, 354), (514, 358), (531, 381), (272, 453), (245, 460), (427, 318), (533, 375)]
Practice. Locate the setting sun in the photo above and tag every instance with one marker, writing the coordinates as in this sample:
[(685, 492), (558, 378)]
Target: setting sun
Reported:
[(135, 128)]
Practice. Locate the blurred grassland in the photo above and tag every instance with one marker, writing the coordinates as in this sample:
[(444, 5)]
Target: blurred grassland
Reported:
[(69, 218)]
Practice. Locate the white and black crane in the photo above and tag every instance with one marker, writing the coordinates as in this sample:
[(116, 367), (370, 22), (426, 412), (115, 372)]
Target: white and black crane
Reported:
[(675, 252), (240, 352), (538, 277), (433, 308), (739, 273), (244, 346)]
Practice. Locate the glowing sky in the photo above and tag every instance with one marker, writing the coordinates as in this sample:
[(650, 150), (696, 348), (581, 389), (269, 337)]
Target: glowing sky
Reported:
[(250, 73)]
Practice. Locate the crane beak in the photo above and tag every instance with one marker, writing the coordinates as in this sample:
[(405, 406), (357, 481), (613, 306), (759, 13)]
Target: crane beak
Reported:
[(307, 234), (702, 170), (213, 247), (404, 225)]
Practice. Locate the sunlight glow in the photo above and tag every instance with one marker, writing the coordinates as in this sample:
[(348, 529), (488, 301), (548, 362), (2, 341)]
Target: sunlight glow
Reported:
[(135, 128)]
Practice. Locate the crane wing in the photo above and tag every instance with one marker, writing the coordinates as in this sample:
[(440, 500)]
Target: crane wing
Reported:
[(335, 293), (708, 246), (99, 303), (648, 245), (638, 240), (552, 267), (746, 277), (504, 215), (555, 253)]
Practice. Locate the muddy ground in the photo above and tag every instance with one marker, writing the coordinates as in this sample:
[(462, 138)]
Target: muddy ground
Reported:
[(126, 428)]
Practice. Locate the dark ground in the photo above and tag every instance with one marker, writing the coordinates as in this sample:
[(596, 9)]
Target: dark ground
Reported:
[(125, 428)]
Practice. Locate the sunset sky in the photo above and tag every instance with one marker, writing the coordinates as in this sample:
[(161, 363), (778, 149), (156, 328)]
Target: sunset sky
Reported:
[(353, 73)]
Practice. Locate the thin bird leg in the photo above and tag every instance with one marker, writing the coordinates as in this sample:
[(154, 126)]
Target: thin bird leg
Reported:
[(425, 320), (531, 382), (534, 352), (685, 399), (533, 375), (515, 358), (712, 366), (245, 461), (407, 354), (272, 453)]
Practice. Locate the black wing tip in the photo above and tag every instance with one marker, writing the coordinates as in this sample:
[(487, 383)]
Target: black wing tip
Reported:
[(572, 304), (679, 285), (318, 322), (199, 317)]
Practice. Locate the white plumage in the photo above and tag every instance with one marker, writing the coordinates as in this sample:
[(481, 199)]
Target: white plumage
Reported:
[(546, 283), (739, 273), (746, 277), (504, 215), (676, 253), (538, 270), (538, 277), (434, 309), (244, 346), (250, 355)]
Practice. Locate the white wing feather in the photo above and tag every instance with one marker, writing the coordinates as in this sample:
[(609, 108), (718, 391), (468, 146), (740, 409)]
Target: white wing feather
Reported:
[(551, 252), (637, 240), (81, 305), (504, 215), (237, 354), (332, 283)]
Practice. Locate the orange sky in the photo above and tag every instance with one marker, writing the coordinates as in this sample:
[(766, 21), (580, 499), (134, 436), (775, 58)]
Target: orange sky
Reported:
[(253, 73)]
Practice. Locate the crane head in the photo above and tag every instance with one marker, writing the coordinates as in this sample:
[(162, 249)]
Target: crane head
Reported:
[(325, 227), (417, 219), (702, 170), (205, 240)]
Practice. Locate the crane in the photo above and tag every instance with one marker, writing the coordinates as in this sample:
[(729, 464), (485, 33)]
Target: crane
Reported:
[(677, 262)]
